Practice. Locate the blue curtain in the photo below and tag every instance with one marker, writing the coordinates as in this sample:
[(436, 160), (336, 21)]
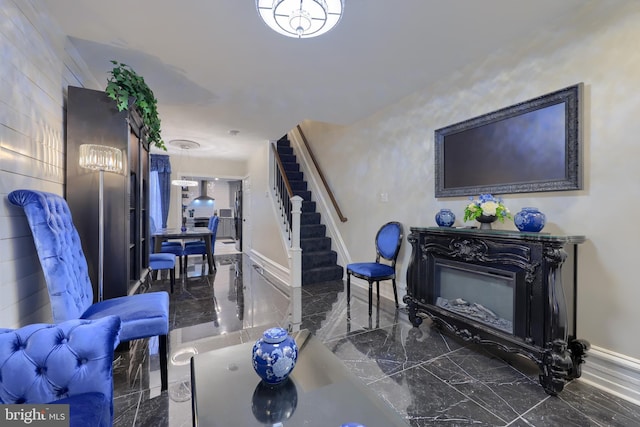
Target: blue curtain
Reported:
[(161, 164)]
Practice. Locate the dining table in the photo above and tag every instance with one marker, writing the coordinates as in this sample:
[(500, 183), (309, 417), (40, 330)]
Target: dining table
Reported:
[(190, 233)]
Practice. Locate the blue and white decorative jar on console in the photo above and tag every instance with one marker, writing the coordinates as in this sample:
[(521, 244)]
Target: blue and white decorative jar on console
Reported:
[(274, 355), (530, 220), (445, 218)]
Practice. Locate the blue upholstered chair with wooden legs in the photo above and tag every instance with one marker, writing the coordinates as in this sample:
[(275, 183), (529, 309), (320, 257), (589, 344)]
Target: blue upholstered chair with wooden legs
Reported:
[(388, 242), (65, 271), (162, 261), (167, 247), (69, 363), (199, 247)]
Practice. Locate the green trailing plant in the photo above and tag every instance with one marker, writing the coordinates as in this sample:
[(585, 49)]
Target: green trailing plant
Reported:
[(123, 84)]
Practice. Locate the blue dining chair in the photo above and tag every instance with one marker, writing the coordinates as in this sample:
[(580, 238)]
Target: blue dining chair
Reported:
[(167, 247), (65, 271), (388, 242), (199, 247), (162, 261)]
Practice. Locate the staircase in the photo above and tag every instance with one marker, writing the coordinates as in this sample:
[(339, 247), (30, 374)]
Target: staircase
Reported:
[(319, 262)]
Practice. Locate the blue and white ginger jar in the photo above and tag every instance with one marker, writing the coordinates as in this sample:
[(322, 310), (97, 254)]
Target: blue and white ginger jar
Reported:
[(274, 355), (530, 220), (445, 218)]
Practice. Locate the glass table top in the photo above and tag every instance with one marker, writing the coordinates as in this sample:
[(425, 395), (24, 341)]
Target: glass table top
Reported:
[(320, 391)]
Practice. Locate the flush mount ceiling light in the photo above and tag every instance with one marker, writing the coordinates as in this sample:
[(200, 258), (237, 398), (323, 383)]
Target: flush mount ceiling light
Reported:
[(300, 18), (185, 145)]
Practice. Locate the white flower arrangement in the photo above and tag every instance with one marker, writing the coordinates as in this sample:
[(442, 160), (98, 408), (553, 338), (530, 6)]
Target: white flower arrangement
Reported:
[(486, 205)]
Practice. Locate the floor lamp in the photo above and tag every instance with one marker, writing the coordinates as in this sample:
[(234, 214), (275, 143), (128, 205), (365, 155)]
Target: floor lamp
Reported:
[(101, 158)]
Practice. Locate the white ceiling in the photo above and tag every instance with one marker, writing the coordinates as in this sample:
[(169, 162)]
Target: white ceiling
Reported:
[(214, 66)]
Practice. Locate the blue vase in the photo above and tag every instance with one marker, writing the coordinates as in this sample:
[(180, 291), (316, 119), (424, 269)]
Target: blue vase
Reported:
[(274, 355), (445, 218), (530, 220)]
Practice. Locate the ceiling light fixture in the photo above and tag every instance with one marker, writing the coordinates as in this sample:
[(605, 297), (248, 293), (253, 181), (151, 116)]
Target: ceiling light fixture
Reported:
[(185, 145), (300, 18)]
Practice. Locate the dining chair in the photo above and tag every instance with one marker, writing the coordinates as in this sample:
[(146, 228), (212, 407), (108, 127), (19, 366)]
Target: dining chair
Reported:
[(167, 247), (388, 241), (65, 271), (200, 247), (163, 261)]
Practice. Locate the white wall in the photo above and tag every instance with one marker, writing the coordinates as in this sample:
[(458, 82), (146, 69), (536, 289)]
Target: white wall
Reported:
[(259, 213), (392, 151), (35, 69)]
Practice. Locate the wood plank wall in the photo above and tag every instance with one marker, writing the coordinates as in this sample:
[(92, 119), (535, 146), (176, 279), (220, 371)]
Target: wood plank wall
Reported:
[(37, 64)]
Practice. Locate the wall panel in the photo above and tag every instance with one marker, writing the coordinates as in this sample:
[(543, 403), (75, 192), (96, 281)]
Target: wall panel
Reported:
[(37, 63)]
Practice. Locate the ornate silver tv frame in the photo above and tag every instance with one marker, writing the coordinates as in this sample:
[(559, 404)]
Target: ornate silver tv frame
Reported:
[(572, 96)]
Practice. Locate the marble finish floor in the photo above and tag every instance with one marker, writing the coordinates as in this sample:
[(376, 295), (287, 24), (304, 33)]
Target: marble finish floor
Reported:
[(429, 378)]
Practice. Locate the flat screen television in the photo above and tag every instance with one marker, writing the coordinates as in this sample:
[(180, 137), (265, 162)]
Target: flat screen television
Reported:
[(531, 146)]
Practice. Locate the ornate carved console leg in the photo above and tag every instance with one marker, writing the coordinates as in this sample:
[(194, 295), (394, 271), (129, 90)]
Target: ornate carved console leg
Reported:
[(556, 366), (413, 311), (578, 348)]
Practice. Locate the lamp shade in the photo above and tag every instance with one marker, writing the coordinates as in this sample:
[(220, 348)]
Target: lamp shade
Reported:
[(300, 18), (101, 157)]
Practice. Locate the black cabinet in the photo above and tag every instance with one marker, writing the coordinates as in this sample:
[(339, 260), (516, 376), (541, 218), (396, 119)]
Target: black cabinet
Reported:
[(92, 118), (515, 291)]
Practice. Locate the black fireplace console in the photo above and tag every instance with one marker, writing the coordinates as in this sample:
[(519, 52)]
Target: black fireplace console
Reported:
[(508, 289)]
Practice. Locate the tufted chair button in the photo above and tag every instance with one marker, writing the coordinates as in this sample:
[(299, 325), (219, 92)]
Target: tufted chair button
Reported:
[(41, 370)]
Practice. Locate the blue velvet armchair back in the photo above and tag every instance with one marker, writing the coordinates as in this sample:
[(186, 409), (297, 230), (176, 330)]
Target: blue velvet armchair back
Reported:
[(70, 362), (60, 252)]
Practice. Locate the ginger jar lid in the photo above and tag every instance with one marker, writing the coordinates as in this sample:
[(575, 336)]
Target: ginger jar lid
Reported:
[(274, 335)]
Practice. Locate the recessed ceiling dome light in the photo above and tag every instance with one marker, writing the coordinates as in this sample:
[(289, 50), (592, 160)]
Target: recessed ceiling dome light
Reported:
[(184, 144)]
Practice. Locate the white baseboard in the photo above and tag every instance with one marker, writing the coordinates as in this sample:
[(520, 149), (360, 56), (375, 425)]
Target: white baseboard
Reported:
[(613, 372), (272, 269)]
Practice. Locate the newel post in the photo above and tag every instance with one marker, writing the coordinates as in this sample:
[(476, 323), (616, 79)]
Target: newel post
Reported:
[(295, 265), (296, 250)]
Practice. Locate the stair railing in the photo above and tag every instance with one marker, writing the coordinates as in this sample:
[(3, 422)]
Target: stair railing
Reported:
[(290, 209), (324, 181), (283, 190)]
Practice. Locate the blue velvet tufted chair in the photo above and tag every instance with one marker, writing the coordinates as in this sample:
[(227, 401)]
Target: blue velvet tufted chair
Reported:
[(68, 363), (388, 242), (65, 270)]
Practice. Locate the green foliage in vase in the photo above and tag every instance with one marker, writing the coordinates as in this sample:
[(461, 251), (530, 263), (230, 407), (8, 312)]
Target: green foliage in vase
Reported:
[(123, 84), (486, 205)]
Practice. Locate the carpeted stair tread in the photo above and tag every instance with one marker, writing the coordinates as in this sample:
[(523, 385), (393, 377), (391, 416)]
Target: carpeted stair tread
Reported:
[(308, 218), (315, 244), (312, 230), (314, 259), (321, 274)]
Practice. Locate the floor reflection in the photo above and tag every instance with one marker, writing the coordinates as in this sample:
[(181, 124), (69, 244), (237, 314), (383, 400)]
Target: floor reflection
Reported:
[(427, 377)]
